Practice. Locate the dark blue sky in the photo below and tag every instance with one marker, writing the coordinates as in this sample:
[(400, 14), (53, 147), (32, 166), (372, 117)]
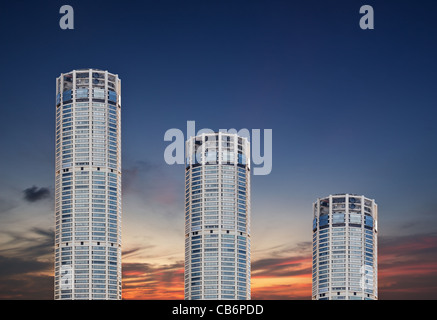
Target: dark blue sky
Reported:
[(351, 110)]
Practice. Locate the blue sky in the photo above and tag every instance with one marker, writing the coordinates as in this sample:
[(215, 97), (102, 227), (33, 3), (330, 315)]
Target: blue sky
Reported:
[(351, 110)]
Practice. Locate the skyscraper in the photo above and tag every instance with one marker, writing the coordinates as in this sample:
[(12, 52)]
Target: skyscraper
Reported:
[(345, 262), (217, 217), (88, 186)]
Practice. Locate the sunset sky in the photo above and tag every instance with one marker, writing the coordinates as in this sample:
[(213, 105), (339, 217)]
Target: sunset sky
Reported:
[(351, 111)]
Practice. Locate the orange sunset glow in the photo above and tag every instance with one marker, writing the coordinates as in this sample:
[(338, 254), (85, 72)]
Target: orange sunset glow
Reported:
[(405, 271)]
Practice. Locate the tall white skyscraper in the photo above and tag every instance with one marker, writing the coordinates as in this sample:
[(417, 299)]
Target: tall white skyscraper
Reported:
[(217, 217), (345, 261), (88, 186)]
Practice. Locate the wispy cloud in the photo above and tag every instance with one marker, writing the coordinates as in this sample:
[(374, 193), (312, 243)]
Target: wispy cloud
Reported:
[(34, 243), (7, 205), (136, 251), (282, 267)]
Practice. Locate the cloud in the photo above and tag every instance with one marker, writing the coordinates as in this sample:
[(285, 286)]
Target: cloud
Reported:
[(30, 244), (284, 261), (283, 274), (7, 205), (281, 250), (407, 270), (303, 247), (126, 253), (28, 279), (151, 281), (296, 291), (407, 267), (27, 287), (34, 194), (10, 266), (282, 267), (133, 252)]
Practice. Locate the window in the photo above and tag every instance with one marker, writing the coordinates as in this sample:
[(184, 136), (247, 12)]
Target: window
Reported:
[(66, 96), (324, 220), (355, 218), (338, 218), (98, 93), (368, 221), (82, 93), (112, 96)]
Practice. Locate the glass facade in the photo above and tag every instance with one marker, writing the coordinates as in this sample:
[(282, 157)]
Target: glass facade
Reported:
[(88, 186), (217, 217), (345, 265)]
